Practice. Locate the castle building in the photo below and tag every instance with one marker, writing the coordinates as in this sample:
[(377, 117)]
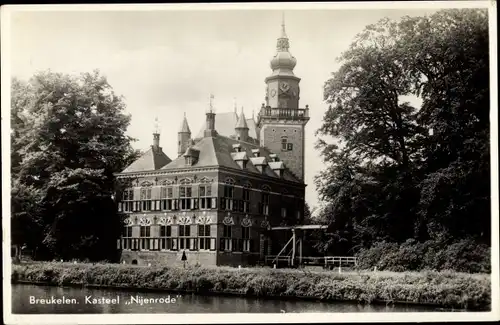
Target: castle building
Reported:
[(229, 184)]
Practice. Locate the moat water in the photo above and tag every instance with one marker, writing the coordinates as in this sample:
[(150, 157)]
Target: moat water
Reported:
[(73, 300)]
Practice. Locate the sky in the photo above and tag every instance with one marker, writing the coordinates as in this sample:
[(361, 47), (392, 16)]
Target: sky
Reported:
[(167, 63)]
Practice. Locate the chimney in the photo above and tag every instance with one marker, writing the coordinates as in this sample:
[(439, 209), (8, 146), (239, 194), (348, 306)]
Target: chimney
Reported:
[(210, 123)]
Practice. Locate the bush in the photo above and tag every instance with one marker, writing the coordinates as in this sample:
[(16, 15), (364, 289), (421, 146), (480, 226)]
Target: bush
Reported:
[(447, 289), (462, 256)]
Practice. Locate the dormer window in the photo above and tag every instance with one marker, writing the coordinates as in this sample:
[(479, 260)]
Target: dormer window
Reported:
[(237, 147), (189, 161), (256, 152)]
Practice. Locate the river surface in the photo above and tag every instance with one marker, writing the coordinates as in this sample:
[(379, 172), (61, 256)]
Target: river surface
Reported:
[(73, 300)]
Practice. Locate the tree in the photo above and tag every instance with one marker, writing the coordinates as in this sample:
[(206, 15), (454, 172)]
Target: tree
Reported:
[(68, 140), (400, 171)]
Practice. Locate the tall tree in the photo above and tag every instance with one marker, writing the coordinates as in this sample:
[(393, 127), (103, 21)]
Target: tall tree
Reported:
[(68, 140), (396, 170)]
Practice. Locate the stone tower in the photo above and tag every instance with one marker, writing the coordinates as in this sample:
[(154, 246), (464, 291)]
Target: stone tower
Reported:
[(281, 121), (183, 137)]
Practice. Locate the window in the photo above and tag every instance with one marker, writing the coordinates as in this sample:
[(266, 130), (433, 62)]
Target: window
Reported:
[(145, 235), (227, 200), (185, 195), (226, 240), (246, 238), (204, 236), (127, 237), (127, 197), (246, 200), (205, 194), (284, 142), (184, 234), (285, 145), (167, 198), (264, 202), (146, 198), (165, 237)]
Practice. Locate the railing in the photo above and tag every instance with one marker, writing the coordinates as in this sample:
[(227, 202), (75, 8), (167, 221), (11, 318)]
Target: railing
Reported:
[(325, 261), (299, 113), (278, 260), (339, 260)]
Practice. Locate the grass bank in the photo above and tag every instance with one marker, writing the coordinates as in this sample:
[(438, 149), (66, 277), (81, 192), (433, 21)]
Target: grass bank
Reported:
[(444, 289)]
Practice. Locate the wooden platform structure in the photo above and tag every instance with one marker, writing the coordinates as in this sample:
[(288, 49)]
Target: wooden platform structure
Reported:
[(293, 257)]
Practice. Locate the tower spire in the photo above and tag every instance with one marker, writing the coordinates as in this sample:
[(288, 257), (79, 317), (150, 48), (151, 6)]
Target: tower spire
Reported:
[(283, 32)]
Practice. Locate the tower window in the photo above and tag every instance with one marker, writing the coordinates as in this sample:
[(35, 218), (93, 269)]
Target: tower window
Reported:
[(284, 142)]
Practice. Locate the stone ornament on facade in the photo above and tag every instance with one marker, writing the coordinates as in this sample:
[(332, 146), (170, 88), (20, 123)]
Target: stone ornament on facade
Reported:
[(167, 182), (184, 220), (265, 224), (129, 222), (146, 184), (228, 220), (162, 221), (144, 221), (246, 222), (204, 220)]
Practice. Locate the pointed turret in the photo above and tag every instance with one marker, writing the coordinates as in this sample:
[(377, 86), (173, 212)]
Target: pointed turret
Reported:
[(241, 127), (183, 136)]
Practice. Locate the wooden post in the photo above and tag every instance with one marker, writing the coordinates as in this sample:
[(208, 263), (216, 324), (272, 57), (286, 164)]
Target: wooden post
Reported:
[(294, 243), (301, 239)]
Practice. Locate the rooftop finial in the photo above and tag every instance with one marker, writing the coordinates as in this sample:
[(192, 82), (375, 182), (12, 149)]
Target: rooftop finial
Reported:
[(211, 103), (283, 32), (156, 126), (282, 45)]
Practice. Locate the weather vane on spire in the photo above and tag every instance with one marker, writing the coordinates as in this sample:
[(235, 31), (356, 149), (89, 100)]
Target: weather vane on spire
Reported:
[(211, 102), (156, 126), (282, 45), (283, 32)]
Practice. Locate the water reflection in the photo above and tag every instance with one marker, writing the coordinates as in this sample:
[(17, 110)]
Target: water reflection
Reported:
[(185, 303)]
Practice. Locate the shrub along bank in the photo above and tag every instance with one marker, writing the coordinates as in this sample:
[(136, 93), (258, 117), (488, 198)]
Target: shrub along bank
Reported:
[(445, 289), (462, 256)]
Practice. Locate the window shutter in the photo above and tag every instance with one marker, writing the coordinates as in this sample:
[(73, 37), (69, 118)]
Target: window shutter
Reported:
[(195, 204), (234, 245), (221, 246), (174, 244), (118, 243), (222, 203), (212, 244), (240, 245), (214, 203)]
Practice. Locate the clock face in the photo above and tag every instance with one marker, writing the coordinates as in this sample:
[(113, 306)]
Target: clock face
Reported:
[(284, 86), (273, 92)]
